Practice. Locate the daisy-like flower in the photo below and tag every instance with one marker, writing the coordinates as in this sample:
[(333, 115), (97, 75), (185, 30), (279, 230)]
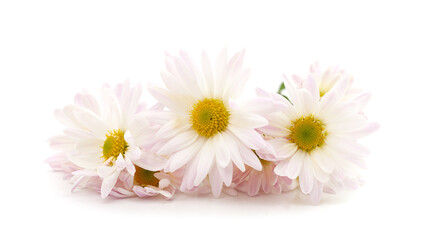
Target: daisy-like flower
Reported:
[(326, 79), (103, 136), (316, 137), (206, 130)]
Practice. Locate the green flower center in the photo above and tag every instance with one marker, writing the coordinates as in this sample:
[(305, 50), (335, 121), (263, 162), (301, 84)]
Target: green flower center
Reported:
[(308, 133), (114, 144), (209, 116)]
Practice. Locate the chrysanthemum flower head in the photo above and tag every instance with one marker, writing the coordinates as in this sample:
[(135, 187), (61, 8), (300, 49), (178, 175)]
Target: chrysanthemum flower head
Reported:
[(316, 136), (103, 135), (206, 129)]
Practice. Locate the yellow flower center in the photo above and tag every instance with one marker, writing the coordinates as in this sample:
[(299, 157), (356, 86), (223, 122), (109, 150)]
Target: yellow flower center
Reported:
[(114, 144), (209, 116), (145, 178), (308, 133)]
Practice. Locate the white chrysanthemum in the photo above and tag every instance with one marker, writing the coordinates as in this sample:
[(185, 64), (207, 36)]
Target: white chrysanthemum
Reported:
[(316, 137), (205, 131), (103, 135)]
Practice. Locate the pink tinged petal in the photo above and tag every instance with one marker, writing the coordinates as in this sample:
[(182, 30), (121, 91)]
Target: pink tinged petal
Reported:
[(295, 165), (226, 173), (216, 182), (250, 138), (129, 166), (306, 178), (272, 131), (324, 161), (163, 97), (87, 101), (208, 74), (205, 161), (219, 78), (311, 85), (62, 143), (281, 167), (182, 157), (316, 193), (180, 141), (93, 123), (282, 147), (250, 158), (291, 90), (171, 129), (343, 144), (89, 161), (172, 82), (260, 105), (307, 104), (85, 172), (151, 161), (328, 101), (222, 154), (77, 182), (120, 162), (247, 120), (234, 152), (298, 81), (111, 108), (366, 130), (340, 87), (105, 171), (189, 176), (362, 100), (108, 184), (67, 117), (253, 184), (319, 174), (141, 192), (133, 152), (91, 145)]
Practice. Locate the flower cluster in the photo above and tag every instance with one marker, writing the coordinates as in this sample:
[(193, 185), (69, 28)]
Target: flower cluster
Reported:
[(203, 137)]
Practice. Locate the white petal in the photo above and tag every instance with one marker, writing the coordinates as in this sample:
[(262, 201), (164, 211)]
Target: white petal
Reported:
[(222, 154), (319, 174), (151, 161), (216, 182), (306, 178), (93, 123), (91, 145), (311, 85), (129, 166), (205, 161), (105, 171), (316, 192), (87, 101), (180, 141), (250, 158), (226, 173), (120, 163), (295, 165), (108, 184), (182, 157), (63, 143), (250, 138), (247, 120), (282, 147), (324, 161)]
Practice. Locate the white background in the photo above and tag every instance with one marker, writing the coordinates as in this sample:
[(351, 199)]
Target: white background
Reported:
[(50, 50)]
